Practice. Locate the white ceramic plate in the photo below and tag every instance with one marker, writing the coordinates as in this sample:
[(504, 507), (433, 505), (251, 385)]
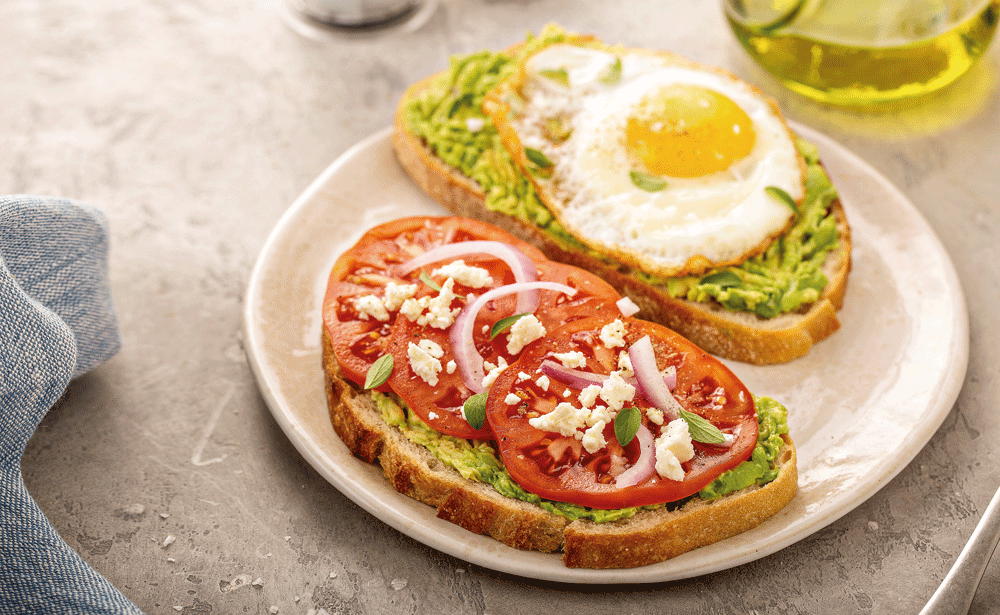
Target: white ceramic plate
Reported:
[(861, 404)]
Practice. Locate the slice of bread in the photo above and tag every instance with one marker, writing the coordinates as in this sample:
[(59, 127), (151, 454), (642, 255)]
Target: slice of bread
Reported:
[(740, 336), (648, 537)]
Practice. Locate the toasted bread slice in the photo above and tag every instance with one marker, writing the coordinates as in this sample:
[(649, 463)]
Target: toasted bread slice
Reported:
[(740, 336), (648, 537)]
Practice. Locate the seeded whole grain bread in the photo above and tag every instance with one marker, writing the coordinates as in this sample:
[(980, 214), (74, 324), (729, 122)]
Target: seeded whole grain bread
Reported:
[(649, 537), (740, 336)]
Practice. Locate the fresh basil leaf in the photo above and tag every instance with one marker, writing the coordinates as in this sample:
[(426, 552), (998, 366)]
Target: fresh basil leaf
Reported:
[(782, 196), (379, 372), (724, 278), (612, 74), (647, 182), (627, 424), (701, 430), (559, 75), (505, 323), (474, 410), (426, 279), (537, 157)]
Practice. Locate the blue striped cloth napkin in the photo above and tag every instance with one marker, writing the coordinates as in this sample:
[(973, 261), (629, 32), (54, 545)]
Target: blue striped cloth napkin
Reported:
[(57, 321)]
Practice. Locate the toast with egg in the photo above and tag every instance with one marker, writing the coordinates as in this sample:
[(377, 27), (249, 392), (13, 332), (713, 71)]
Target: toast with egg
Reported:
[(648, 537), (463, 136)]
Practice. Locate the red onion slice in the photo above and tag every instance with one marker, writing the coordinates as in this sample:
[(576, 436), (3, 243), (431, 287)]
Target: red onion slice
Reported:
[(521, 266), (651, 382), (467, 358), (575, 378), (644, 466)]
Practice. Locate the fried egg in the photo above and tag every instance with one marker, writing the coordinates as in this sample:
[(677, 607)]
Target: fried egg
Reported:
[(658, 161)]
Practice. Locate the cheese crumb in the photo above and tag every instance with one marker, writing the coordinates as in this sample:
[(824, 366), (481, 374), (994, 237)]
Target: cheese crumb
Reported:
[(512, 399), (673, 448), (451, 367), (543, 382), (424, 360), (439, 314), (615, 391), (600, 414), (494, 371), (625, 365), (522, 376), (593, 438), (396, 294), (655, 415), (565, 419), (613, 334), (466, 275), (588, 396), (571, 359), (371, 306), (526, 330)]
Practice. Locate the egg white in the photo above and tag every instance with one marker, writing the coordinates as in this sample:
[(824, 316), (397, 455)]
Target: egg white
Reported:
[(721, 217)]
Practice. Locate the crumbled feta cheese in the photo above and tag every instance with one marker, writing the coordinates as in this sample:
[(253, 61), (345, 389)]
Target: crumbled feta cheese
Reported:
[(613, 334), (494, 371), (526, 330), (522, 376), (466, 275), (625, 365), (600, 414), (571, 359), (593, 439), (673, 448), (371, 306), (432, 415), (423, 360), (588, 396), (512, 399), (615, 391), (655, 415), (396, 294), (439, 313), (412, 308), (565, 419), (543, 382), (451, 367)]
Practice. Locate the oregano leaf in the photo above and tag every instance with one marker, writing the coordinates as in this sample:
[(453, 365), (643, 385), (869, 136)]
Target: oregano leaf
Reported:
[(537, 157), (505, 323), (379, 372), (474, 410), (627, 424), (782, 196), (701, 430)]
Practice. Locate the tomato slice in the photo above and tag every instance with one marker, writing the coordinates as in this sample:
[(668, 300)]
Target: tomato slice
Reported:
[(559, 468), (440, 404), (371, 264)]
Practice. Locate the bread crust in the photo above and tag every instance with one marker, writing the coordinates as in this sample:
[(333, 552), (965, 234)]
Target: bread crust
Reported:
[(741, 337), (648, 537)]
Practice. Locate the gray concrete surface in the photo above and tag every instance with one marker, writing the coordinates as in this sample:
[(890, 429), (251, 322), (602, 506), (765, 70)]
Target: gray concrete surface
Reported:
[(194, 124)]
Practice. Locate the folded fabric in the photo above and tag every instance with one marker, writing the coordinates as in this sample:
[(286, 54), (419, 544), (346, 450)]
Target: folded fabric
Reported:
[(57, 321)]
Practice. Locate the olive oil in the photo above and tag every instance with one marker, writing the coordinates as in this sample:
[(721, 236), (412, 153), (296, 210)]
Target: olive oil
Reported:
[(852, 52)]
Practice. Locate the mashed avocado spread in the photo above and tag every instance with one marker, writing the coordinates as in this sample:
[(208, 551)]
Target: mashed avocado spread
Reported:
[(477, 461), (448, 116)]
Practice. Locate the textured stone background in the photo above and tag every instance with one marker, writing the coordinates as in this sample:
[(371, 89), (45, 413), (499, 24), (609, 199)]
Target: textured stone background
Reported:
[(195, 123)]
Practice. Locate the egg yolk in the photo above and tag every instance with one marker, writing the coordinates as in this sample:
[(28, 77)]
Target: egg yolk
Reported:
[(688, 131)]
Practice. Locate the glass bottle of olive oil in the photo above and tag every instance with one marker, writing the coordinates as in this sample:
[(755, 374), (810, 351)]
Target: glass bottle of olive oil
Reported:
[(858, 52)]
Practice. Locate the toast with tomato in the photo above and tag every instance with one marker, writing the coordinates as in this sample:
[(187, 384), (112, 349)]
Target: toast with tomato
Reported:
[(522, 399), (453, 135)]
